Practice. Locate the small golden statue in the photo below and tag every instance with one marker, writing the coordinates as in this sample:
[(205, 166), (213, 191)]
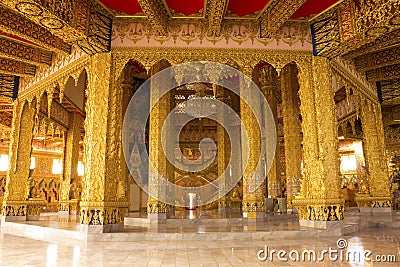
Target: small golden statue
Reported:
[(32, 187)]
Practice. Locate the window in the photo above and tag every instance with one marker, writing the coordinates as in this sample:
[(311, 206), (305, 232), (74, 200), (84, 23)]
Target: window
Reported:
[(33, 163), (57, 166), (348, 163), (4, 161), (81, 168)]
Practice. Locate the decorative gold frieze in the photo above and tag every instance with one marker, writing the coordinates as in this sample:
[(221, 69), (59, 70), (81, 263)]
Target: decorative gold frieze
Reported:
[(100, 213), (353, 81), (381, 202), (252, 206), (57, 78), (155, 206), (241, 33), (14, 208), (320, 210)]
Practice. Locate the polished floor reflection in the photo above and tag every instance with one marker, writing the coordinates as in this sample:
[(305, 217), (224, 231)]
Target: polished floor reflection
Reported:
[(207, 240), (18, 251)]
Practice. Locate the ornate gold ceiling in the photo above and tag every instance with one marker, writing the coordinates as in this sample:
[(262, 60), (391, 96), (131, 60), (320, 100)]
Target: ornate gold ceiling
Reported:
[(33, 34)]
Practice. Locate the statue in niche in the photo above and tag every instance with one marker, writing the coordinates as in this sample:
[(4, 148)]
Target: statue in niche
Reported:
[(235, 194), (32, 186), (74, 190), (363, 182)]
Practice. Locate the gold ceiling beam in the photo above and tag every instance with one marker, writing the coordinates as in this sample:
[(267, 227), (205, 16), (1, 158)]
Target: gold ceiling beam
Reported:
[(277, 13), (387, 73), (388, 40), (378, 59), (9, 48), (215, 14), (352, 25), (157, 15), (17, 68), (13, 23), (65, 19)]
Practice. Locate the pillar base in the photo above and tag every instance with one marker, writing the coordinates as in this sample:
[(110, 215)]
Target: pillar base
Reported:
[(12, 219), (98, 229), (365, 211), (223, 211), (382, 211), (68, 207), (254, 215), (322, 224), (363, 203), (13, 211), (33, 208), (102, 217), (157, 218)]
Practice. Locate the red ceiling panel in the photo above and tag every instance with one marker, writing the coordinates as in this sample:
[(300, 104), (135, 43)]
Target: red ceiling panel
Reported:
[(313, 7), (186, 7), (130, 7), (242, 8)]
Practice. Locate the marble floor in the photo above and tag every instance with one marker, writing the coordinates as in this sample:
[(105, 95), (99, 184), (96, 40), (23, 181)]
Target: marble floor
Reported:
[(381, 239), (18, 251)]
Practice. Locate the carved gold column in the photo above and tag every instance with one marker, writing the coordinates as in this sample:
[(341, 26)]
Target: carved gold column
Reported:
[(320, 203), (268, 85), (378, 178), (67, 201), (291, 130), (223, 155), (14, 206), (104, 200), (158, 163), (253, 204)]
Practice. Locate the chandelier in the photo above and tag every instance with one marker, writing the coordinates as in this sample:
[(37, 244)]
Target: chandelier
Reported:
[(200, 104)]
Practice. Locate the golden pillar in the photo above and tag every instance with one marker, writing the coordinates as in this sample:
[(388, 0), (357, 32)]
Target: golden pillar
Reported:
[(18, 185), (253, 203), (379, 197), (159, 166), (291, 130), (223, 155), (104, 201), (320, 203), (268, 85), (69, 199)]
